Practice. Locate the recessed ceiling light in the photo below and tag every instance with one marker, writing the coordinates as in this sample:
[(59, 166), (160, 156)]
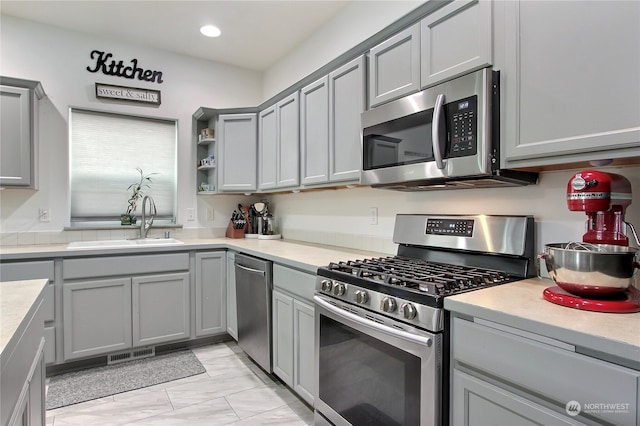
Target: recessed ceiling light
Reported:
[(210, 31)]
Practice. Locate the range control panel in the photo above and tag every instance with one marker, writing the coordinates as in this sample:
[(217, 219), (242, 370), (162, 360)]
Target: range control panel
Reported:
[(453, 227), (463, 127)]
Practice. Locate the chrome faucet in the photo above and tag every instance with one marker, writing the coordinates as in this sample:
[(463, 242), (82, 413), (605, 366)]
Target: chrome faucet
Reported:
[(145, 224)]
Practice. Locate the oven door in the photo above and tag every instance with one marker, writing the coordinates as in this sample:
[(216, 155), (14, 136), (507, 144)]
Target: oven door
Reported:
[(370, 372)]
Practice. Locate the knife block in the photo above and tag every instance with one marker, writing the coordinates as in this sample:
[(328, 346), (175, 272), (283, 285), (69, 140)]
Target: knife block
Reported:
[(232, 232)]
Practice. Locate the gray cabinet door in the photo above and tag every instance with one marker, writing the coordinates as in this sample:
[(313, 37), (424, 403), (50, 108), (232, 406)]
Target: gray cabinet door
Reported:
[(97, 317), (346, 104), (268, 148), (303, 350), (314, 132), (394, 66), (570, 92), (232, 309), (211, 293), (455, 40), (16, 148), (288, 142), (161, 308), (237, 152), (283, 337), (476, 402)]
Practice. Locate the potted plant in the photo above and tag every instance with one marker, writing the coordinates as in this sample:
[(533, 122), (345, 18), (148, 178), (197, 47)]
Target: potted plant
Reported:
[(136, 188)]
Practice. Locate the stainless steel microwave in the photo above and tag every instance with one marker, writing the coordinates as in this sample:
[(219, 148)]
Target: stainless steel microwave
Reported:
[(446, 136)]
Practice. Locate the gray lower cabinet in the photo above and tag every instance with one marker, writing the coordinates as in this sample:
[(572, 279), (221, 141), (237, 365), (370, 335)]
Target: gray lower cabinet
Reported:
[(502, 375), (293, 330), (569, 92), (19, 131), (232, 307), (237, 152), (161, 308), (211, 293), (23, 372), (115, 303), (97, 317), (15, 271)]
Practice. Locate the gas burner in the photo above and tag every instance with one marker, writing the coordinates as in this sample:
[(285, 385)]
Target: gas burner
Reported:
[(419, 275)]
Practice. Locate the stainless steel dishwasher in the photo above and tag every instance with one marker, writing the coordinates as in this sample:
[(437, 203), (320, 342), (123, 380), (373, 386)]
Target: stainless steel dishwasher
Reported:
[(254, 285)]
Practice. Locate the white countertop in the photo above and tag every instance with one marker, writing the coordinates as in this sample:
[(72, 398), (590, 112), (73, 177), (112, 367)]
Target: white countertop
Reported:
[(16, 299), (521, 305), (301, 255)]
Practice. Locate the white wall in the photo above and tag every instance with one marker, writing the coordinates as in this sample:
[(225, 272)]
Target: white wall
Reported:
[(58, 58), (355, 23), (341, 217)]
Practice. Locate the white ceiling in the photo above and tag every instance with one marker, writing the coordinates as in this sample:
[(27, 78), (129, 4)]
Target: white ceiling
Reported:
[(255, 34)]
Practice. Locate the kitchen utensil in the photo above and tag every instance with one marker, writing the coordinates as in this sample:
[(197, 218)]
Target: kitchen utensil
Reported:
[(591, 271), (604, 197)]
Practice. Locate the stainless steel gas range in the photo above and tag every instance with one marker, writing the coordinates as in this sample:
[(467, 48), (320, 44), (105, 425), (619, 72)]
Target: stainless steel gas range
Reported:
[(382, 340)]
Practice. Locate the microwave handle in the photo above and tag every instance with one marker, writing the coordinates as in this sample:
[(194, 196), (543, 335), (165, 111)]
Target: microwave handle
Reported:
[(438, 132)]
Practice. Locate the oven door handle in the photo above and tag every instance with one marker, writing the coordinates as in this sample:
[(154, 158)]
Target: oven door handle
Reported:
[(438, 132), (379, 327)]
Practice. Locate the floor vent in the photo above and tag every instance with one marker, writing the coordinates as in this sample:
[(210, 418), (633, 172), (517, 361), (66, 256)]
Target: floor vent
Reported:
[(131, 355)]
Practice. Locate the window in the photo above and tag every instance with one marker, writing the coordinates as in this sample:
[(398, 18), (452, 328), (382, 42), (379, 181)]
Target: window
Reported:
[(105, 151)]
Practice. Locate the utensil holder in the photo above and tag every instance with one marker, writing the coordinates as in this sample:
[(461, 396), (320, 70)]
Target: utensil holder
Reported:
[(234, 233)]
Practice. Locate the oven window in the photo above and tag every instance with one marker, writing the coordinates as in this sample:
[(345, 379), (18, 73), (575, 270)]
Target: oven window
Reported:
[(406, 140), (366, 380)]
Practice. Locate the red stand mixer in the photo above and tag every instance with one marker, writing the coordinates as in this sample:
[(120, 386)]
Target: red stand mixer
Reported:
[(598, 273)]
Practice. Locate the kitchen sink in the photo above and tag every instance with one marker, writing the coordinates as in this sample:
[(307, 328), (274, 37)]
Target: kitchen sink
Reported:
[(105, 244)]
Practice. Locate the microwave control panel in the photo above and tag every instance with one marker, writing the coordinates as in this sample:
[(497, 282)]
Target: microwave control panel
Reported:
[(463, 127)]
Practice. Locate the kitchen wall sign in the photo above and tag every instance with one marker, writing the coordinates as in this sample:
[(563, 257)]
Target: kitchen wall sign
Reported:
[(119, 69), (133, 94)]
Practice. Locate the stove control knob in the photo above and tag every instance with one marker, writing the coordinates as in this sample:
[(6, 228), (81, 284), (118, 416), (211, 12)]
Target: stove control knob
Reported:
[(361, 296), (388, 305), (327, 285), (408, 311), (338, 289)]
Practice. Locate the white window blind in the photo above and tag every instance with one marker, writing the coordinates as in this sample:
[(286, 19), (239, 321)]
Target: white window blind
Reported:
[(105, 150)]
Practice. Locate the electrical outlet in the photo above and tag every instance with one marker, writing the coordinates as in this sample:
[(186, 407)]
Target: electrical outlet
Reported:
[(191, 214), (210, 214), (43, 215), (373, 215)]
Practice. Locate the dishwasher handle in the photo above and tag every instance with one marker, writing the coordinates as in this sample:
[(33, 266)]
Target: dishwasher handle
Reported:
[(251, 270)]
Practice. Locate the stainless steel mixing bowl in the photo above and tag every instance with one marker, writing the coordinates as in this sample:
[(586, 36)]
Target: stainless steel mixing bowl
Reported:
[(593, 270)]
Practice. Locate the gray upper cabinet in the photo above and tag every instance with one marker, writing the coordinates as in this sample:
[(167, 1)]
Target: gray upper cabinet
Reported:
[(455, 40), (330, 111), (570, 85), (19, 132), (268, 148), (346, 104), (279, 145), (314, 132), (394, 66), (237, 152)]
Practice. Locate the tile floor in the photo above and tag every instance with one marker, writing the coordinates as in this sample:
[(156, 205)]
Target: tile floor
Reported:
[(233, 391)]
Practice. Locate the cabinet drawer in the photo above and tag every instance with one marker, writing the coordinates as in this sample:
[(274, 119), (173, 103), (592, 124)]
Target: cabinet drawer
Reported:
[(124, 265), (558, 374), (293, 281)]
